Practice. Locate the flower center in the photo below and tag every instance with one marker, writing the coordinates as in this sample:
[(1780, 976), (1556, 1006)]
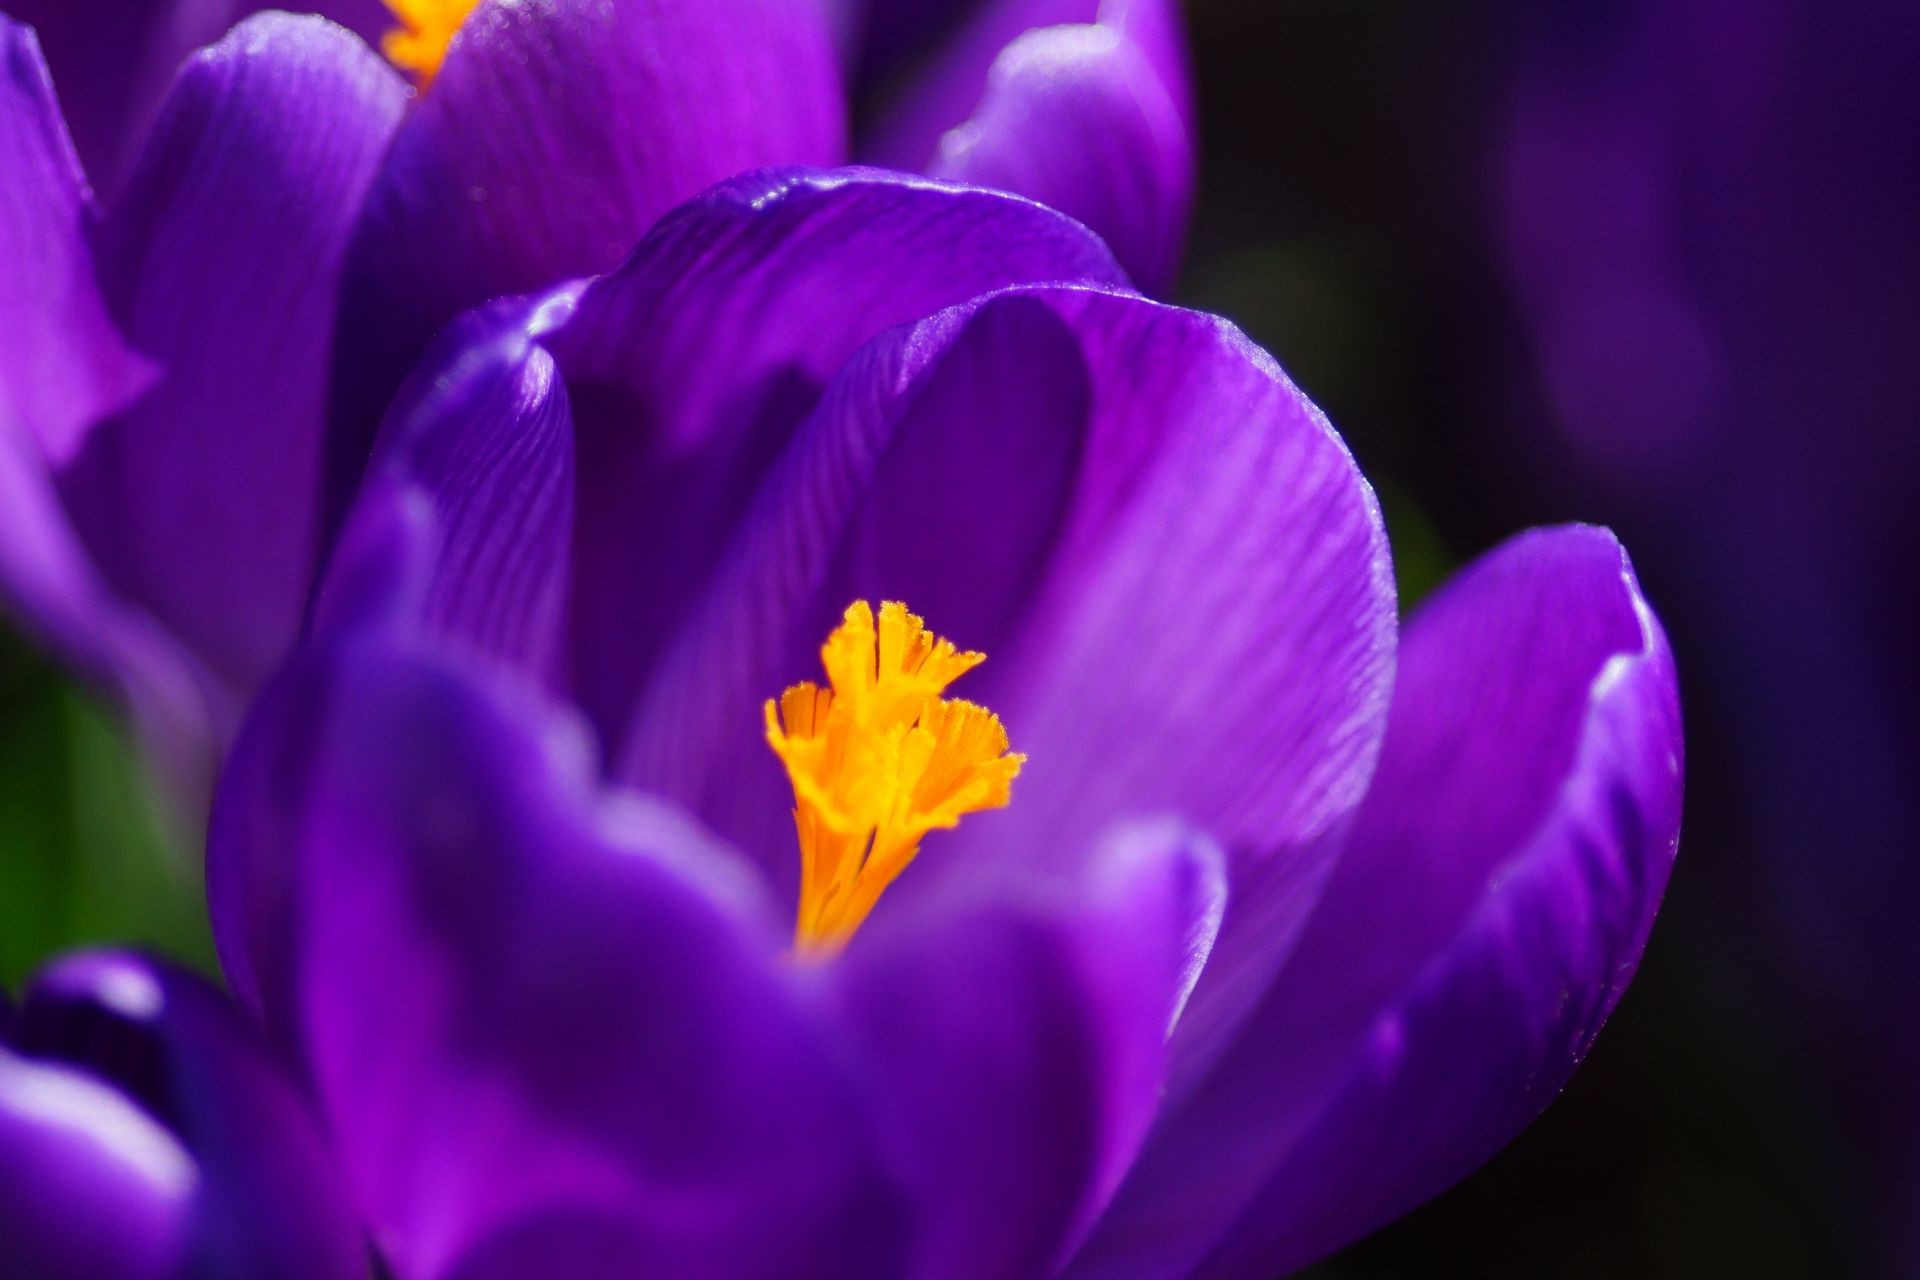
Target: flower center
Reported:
[(419, 44), (878, 759)]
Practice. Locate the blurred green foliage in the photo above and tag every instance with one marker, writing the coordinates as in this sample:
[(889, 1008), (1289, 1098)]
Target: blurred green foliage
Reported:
[(84, 856)]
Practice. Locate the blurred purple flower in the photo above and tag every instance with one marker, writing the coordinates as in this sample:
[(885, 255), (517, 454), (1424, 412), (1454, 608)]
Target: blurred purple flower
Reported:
[(548, 1010), (146, 1133), (164, 416)]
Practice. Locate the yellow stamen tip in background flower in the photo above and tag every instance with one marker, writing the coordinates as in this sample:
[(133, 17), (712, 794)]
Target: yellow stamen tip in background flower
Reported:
[(878, 759), (419, 44)]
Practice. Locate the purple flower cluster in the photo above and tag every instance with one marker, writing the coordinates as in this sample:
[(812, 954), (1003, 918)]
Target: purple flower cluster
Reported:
[(466, 471)]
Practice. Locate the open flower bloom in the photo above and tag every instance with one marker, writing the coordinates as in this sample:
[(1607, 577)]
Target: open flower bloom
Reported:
[(147, 1133), (1209, 922), (179, 428)]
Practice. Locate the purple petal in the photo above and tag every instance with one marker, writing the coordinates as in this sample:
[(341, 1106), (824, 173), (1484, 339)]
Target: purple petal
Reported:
[(467, 513), (1083, 105), (90, 1185), (50, 585), (1022, 1039), (1079, 118), (691, 365), (553, 137), (542, 1023), (266, 1197), (1178, 573), (1487, 915), (222, 259), (63, 368), (113, 59), (63, 365), (946, 91)]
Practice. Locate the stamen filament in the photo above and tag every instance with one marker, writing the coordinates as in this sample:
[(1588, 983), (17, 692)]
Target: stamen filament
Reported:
[(419, 44), (878, 759)]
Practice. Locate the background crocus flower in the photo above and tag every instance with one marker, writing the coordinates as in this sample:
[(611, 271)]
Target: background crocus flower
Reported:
[(182, 427), (548, 1004), (146, 1133)]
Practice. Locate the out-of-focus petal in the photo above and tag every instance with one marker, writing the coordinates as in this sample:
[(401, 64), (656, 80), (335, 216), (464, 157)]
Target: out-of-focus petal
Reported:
[(222, 261), (1079, 118), (1486, 917), (544, 1024), (1177, 571), (1021, 1039), (113, 59), (946, 89), (63, 365), (1080, 104), (266, 1197), (553, 137), (51, 587), (91, 1186), (691, 365), (476, 460)]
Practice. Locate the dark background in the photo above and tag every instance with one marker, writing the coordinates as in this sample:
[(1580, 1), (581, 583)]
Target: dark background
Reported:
[(1748, 1111)]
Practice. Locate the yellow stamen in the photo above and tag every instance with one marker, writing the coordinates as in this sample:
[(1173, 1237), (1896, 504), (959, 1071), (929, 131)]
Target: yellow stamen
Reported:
[(419, 44), (878, 759)]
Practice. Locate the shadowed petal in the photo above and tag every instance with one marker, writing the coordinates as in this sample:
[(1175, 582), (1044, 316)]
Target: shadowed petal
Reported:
[(1078, 117), (113, 59), (690, 366), (1177, 572), (1022, 1039), (266, 1197), (51, 587), (90, 1185), (542, 1023), (63, 365), (553, 137), (1083, 105), (62, 368), (465, 523), (1487, 915), (222, 261)]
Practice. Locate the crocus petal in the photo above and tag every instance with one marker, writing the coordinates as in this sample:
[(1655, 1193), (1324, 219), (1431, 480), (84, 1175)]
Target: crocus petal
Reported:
[(113, 59), (691, 365), (1178, 573), (266, 1197), (51, 587), (1022, 1039), (91, 1186), (1492, 905), (1083, 105), (63, 365), (62, 368), (222, 260), (1079, 118), (475, 464), (542, 1023), (553, 137)]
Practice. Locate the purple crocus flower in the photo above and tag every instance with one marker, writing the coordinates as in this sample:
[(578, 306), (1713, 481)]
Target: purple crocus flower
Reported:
[(1267, 943), (179, 428), (1288, 920), (146, 1133)]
